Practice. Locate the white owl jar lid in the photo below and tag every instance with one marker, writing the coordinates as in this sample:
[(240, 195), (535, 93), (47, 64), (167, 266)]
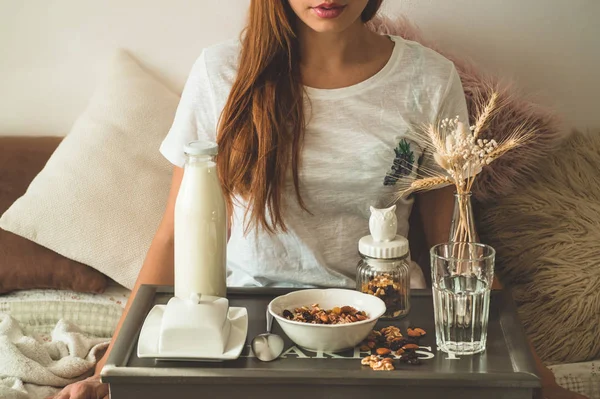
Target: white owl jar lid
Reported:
[(384, 242)]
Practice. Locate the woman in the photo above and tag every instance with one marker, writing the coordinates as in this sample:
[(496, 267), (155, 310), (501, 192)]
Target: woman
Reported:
[(307, 110)]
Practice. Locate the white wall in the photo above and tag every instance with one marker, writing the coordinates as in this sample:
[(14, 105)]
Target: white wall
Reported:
[(551, 48), (52, 51)]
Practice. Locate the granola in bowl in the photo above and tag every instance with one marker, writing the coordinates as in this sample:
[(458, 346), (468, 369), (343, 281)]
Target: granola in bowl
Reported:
[(300, 322), (316, 315)]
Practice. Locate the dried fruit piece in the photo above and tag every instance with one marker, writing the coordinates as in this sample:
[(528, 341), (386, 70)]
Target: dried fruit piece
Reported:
[(348, 309), (307, 316), (410, 358), (396, 344), (410, 346), (383, 351), (371, 344), (415, 332), (364, 348)]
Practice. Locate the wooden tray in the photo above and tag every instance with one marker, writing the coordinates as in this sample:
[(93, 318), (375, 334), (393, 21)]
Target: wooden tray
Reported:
[(505, 370)]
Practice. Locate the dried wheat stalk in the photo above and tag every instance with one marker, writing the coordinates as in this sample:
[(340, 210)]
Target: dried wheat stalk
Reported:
[(461, 154)]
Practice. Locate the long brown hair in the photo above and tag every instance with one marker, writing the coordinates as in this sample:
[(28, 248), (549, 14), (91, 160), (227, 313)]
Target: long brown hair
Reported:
[(261, 128)]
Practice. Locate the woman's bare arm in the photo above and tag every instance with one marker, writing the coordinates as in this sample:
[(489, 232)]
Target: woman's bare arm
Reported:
[(158, 265), (436, 209)]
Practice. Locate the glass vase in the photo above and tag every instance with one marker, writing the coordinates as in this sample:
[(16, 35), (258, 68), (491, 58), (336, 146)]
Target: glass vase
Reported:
[(462, 227)]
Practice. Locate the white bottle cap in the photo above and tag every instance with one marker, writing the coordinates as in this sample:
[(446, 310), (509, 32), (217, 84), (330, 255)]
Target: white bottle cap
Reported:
[(200, 147), (383, 243), (396, 248)]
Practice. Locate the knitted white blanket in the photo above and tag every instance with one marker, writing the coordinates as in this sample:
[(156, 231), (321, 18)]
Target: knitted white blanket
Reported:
[(32, 368)]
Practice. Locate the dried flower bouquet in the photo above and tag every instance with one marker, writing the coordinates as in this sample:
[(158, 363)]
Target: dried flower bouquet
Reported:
[(461, 154)]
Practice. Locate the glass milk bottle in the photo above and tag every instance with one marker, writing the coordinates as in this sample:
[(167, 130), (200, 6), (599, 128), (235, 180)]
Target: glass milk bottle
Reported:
[(200, 226)]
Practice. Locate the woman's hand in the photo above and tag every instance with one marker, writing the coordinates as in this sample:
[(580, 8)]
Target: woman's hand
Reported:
[(90, 388)]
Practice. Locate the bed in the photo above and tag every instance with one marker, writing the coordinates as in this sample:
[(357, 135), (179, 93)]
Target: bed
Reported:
[(38, 310)]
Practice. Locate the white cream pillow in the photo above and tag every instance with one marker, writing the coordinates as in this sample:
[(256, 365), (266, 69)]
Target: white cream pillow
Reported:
[(101, 196)]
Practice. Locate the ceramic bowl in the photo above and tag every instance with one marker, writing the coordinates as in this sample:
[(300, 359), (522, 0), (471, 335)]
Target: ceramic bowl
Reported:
[(325, 337)]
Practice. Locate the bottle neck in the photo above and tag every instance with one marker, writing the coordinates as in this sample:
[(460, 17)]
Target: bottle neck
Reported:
[(463, 195), (199, 159)]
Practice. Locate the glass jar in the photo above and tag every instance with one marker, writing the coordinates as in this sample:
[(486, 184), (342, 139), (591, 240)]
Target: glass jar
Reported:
[(384, 269), (387, 279)]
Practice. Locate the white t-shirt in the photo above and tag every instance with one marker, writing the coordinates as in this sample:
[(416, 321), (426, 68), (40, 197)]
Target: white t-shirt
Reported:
[(349, 152)]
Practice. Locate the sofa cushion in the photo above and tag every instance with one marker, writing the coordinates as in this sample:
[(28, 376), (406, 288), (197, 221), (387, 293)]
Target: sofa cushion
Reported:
[(546, 236), (23, 263), (101, 196)]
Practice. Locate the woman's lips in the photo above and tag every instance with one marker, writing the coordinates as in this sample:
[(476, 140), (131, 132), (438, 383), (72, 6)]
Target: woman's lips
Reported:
[(328, 10)]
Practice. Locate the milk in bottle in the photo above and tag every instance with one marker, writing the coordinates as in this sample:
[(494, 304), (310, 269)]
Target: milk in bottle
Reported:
[(200, 226)]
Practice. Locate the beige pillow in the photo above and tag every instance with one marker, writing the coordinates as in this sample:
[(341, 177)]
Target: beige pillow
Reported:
[(101, 196), (23, 263), (546, 235)]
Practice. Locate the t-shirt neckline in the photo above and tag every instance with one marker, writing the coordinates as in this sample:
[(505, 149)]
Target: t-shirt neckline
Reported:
[(313, 92)]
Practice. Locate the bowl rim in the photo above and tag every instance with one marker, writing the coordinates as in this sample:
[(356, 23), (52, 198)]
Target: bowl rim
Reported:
[(298, 323)]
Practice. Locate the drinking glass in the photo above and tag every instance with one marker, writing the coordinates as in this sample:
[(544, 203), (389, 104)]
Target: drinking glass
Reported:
[(462, 275)]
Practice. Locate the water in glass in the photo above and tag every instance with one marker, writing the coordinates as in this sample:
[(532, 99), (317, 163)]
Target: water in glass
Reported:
[(461, 306), (462, 275)]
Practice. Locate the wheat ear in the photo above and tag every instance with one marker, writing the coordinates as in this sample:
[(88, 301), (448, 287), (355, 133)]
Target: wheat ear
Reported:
[(430, 136), (423, 185), (488, 110), (520, 137)]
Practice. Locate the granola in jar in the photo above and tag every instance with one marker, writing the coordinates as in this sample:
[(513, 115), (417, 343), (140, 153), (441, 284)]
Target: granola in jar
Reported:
[(391, 287), (384, 268)]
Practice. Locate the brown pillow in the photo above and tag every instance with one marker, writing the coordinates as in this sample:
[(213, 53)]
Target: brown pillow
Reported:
[(23, 263)]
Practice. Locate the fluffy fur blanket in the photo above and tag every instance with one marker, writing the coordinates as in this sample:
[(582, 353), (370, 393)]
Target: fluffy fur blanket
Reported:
[(547, 239)]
